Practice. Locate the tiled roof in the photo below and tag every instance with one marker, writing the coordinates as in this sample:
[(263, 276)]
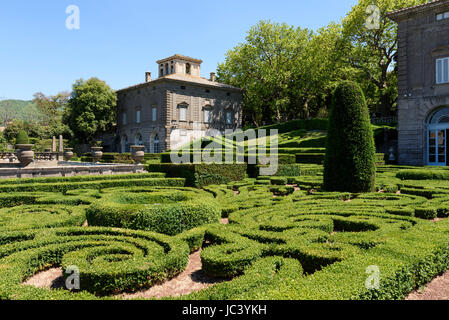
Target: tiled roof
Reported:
[(183, 78), (417, 8)]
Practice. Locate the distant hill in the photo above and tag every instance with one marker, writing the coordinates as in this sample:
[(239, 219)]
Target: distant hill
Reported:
[(18, 110)]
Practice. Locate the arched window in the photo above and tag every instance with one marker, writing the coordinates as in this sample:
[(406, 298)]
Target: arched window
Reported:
[(188, 67), (156, 144), (166, 69), (437, 135), (162, 70), (139, 140)]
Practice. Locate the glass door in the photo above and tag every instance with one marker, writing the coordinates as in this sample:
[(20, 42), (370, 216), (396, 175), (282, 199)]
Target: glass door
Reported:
[(437, 147)]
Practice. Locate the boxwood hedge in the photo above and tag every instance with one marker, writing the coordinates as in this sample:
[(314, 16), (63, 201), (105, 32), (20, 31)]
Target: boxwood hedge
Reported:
[(167, 212)]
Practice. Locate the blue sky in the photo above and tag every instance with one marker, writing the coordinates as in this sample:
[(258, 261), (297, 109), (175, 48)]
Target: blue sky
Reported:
[(119, 40)]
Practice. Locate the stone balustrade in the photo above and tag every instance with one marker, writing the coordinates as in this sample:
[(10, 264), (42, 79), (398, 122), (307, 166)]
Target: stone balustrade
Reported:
[(46, 156), (38, 156), (8, 157)]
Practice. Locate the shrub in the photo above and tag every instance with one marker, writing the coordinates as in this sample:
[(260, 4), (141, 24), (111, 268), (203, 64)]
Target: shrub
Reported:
[(22, 138), (199, 175), (426, 213), (312, 158), (41, 216), (350, 157), (167, 212), (312, 124), (100, 184), (423, 175), (278, 181)]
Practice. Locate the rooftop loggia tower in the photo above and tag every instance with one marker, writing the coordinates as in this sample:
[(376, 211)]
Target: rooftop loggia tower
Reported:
[(179, 64)]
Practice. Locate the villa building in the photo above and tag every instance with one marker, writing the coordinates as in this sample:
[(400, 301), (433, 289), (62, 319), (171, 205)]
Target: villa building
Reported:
[(423, 83), (176, 108)]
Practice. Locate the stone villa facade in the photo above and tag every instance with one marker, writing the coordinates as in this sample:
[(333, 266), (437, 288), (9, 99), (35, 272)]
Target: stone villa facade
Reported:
[(423, 76), (176, 108)]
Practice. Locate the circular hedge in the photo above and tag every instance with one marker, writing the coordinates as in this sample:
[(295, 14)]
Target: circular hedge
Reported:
[(41, 216), (164, 211)]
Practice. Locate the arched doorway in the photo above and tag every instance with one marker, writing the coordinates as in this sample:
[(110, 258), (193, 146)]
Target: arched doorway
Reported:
[(437, 133)]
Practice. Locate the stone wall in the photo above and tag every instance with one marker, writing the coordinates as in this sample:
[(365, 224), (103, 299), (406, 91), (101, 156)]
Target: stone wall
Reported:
[(422, 40)]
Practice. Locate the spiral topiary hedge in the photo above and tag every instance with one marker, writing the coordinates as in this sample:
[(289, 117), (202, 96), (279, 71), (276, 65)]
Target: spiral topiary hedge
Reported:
[(109, 260)]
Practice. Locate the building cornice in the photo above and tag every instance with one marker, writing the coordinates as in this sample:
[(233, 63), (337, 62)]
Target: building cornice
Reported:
[(405, 13), (186, 82)]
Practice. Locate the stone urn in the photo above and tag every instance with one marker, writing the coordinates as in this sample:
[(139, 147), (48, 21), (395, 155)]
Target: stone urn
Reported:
[(25, 154), (137, 154), (68, 154), (97, 153)]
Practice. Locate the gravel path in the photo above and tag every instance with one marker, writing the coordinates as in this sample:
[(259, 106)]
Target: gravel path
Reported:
[(192, 279), (51, 278), (437, 289)]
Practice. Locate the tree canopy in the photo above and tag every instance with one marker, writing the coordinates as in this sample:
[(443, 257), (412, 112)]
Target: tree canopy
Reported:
[(289, 73), (51, 106), (90, 109), (370, 47)]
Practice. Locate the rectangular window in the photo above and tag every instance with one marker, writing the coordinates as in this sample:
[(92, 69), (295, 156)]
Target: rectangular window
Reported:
[(442, 71), (154, 114), (138, 116), (182, 114), (124, 118), (228, 117), (443, 16), (206, 116)]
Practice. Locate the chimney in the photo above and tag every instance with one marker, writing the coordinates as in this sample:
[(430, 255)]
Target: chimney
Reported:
[(212, 77), (147, 76)]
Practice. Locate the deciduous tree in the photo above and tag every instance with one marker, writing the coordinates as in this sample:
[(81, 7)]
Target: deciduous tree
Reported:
[(90, 109), (370, 39)]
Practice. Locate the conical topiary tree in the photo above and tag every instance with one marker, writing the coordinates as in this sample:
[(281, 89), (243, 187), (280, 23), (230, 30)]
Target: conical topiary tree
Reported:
[(350, 162), (22, 137)]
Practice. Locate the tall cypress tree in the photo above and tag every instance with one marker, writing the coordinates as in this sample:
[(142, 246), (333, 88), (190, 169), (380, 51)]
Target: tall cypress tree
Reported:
[(350, 163)]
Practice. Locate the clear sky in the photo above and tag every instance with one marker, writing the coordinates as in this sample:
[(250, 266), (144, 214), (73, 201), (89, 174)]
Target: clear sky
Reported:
[(119, 40)]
